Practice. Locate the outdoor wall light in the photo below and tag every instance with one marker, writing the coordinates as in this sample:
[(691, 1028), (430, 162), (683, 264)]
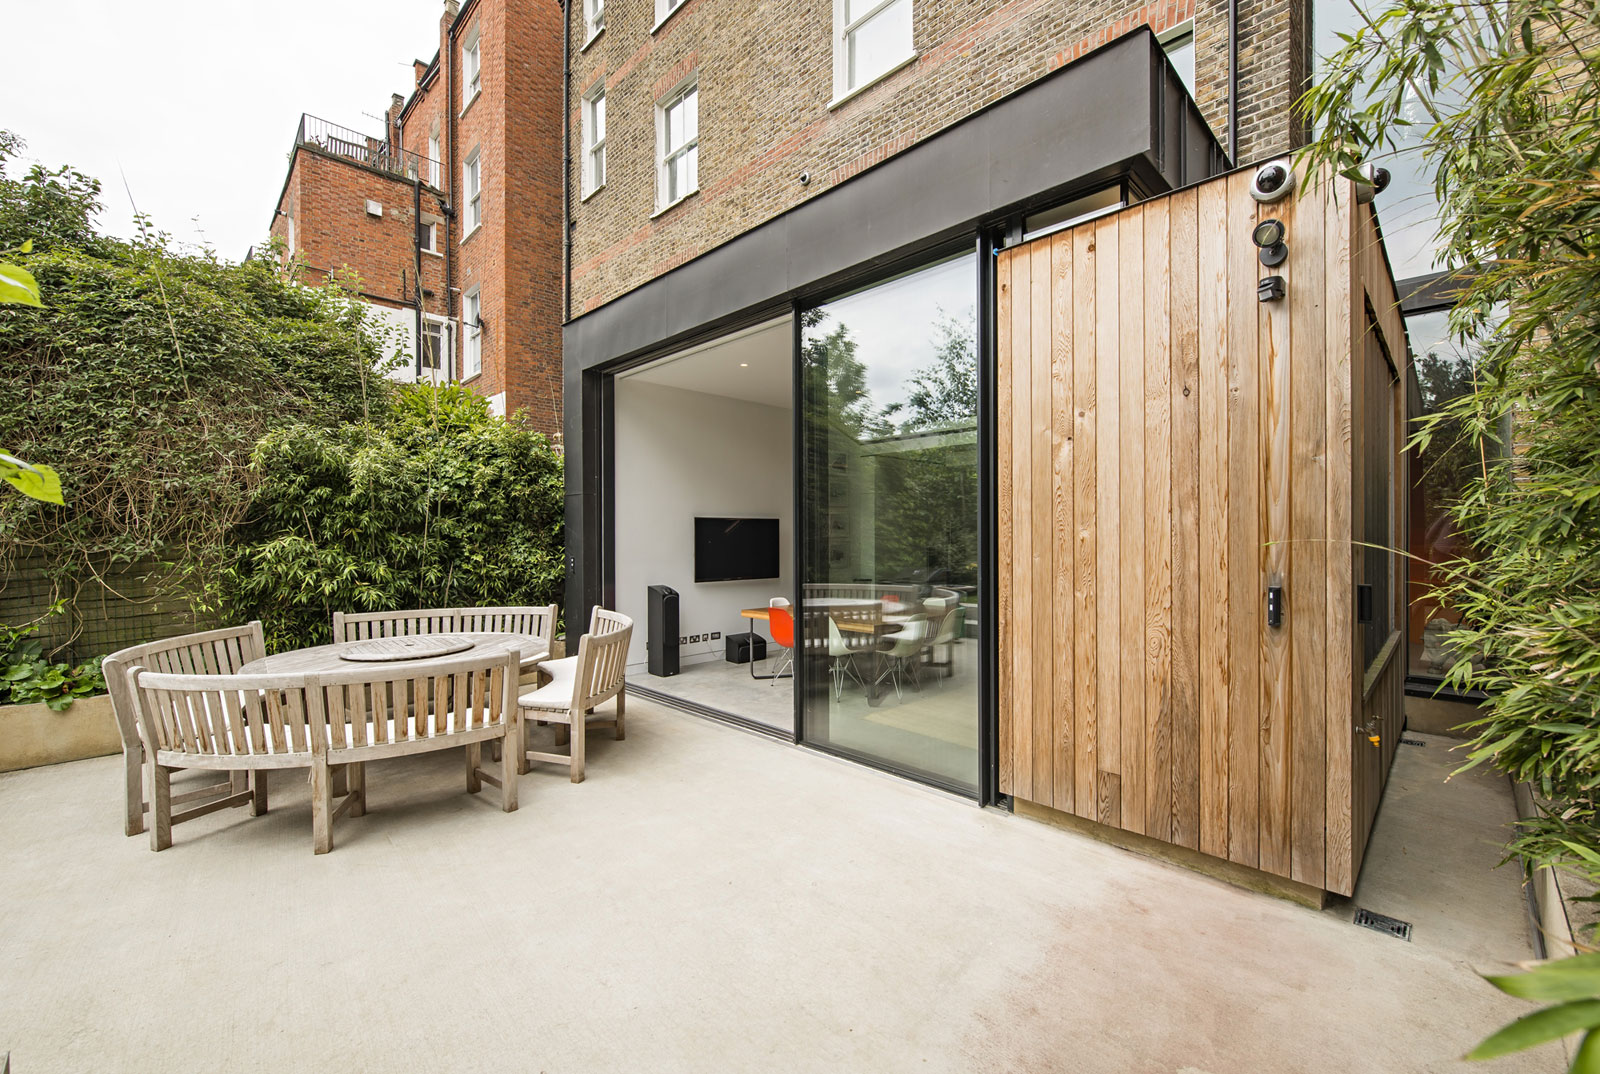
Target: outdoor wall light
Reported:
[(1269, 288), (1268, 237)]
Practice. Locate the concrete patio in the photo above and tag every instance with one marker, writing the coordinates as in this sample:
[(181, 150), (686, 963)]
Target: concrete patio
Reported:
[(715, 901)]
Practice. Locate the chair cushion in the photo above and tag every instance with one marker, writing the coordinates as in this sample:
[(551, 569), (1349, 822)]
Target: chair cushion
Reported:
[(555, 696)]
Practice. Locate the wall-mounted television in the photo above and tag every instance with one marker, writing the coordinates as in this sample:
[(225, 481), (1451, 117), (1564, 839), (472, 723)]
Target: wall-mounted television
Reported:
[(735, 549)]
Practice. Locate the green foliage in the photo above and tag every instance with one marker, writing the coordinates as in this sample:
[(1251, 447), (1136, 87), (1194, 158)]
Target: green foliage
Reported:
[(148, 379), (28, 678), (1572, 987), (439, 505), (1507, 99)]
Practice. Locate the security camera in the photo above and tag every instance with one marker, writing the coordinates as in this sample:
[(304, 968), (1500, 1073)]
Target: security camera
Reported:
[(1374, 180), (1272, 182)]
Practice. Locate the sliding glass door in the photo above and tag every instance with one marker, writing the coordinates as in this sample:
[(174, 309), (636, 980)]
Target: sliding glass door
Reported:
[(889, 596)]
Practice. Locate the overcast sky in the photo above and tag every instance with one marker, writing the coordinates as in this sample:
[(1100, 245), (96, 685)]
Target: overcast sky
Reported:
[(196, 103)]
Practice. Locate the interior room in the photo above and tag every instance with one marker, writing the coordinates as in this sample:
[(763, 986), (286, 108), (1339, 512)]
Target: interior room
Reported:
[(708, 434)]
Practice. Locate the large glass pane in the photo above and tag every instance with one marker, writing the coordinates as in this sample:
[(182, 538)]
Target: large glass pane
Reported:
[(880, 43), (889, 612), (1445, 370)]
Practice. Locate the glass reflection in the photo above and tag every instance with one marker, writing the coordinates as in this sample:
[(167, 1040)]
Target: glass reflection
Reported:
[(890, 471)]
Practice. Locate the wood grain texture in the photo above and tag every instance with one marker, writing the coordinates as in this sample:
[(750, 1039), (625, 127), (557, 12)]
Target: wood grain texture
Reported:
[(1308, 549), (1157, 280), (1085, 504), (1130, 421), (1276, 419), (1213, 246), (1168, 446), (1004, 501), (1185, 404), (1246, 590), (1108, 506), (1041, 480), (1020, 650), (1063, 538)]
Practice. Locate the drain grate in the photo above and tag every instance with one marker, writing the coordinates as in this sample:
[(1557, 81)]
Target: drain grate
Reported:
[(1392, 926), (1412, 742)]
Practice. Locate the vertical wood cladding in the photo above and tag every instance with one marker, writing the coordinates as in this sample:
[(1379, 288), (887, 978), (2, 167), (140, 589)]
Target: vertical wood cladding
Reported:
[(1168, 447)]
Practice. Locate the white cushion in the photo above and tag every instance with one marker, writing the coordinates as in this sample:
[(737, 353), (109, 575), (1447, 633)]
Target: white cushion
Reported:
[(556, 696)]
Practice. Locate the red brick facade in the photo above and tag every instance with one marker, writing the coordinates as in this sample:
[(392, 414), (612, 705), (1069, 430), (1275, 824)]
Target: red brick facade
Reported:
[(512, 260), (765, 76)]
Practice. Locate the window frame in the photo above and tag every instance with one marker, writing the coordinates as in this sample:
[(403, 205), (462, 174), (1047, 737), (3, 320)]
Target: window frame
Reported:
[(593, 176), (431, 229), (444, 354), (435, 149), (842, 31), (664, 159), (472, 334), (471, 72), (472, 191), (665, 9), (594, 21), (1176, 36)]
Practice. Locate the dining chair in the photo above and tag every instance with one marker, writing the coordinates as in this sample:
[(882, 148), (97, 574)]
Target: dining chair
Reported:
[(903, 648), (780, 621), (841, 660)]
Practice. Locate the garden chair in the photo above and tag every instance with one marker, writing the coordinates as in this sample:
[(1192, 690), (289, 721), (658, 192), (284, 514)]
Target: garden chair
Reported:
[(217, 652), (326, 722), (579, 683)]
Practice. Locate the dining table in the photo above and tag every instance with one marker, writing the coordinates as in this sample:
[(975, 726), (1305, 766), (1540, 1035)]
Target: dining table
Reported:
[(879, 626), (347, 655)]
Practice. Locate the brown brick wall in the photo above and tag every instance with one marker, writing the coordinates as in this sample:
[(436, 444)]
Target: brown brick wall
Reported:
[(327, 197), (514, 258), (766, 78)]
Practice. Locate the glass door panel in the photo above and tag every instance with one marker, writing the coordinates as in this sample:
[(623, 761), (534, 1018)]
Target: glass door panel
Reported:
[(889, 600)]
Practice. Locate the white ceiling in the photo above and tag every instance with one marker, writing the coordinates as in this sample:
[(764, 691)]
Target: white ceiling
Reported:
[(754, 365)]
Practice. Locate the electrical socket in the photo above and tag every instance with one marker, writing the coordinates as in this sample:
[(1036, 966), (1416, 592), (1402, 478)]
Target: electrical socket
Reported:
[(716, 635), (694, 639), (683, 641)]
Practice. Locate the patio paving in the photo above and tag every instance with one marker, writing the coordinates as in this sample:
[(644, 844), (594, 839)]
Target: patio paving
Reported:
[(708, 900)]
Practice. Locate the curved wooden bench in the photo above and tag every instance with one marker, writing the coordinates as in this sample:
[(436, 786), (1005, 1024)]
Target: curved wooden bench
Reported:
[(579, 683), (256, 723)]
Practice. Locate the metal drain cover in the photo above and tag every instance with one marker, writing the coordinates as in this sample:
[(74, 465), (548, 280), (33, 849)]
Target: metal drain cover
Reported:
[(1412, 742), (1391, 926)]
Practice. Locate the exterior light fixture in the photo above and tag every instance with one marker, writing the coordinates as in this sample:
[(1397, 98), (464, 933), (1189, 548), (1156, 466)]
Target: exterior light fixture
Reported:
[(1268, 237), (1270, 288)]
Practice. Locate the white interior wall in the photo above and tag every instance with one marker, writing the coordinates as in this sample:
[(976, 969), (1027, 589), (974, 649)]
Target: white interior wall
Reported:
[(679, 455)]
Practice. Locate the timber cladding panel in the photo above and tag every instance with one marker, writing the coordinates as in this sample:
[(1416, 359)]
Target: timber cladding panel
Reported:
[(1168, 446)]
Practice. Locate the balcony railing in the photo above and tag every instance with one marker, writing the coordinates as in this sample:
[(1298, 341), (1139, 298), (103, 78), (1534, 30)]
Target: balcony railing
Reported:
[(363, 149)]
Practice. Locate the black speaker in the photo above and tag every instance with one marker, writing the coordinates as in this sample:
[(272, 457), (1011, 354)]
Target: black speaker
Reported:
[(661, 644), (743, 648)]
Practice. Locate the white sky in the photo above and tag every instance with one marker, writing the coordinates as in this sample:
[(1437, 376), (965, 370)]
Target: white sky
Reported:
[(196, 101)]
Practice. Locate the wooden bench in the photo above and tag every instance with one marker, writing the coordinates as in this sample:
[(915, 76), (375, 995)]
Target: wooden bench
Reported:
[(579, 683), (213, 652), (257, 723), (538, 622)]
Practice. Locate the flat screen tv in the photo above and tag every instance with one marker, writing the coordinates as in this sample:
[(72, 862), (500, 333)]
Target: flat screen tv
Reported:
[(733, 549)]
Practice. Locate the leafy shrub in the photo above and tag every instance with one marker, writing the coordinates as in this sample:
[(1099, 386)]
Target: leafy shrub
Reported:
[(441, 504), (28, 678), (147, 379)]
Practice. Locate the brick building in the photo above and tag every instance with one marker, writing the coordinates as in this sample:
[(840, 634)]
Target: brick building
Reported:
[(451, 220)]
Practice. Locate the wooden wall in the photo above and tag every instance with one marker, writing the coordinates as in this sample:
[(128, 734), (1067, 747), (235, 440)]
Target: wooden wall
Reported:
[(1167, 445)]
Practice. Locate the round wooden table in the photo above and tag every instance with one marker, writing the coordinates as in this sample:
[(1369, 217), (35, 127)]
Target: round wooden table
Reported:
[(325, 658)]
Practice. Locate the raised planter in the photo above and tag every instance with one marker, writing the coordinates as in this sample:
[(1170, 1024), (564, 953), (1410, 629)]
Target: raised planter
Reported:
[(32, 735)]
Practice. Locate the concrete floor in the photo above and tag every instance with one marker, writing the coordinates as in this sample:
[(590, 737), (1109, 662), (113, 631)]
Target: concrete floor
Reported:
[(707, 900)]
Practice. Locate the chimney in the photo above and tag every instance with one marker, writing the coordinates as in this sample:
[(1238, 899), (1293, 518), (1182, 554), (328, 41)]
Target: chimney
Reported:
[(451, 9), (420, 69)]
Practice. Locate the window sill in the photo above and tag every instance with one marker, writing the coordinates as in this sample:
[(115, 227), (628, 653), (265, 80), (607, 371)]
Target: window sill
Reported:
[(673, 205), (873, 81), (586, 196), (471, 101), (668, 17), (475, 229), (434, 253), (592, 39), (469, 379)]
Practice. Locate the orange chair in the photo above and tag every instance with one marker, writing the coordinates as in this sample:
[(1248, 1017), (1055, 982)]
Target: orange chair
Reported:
[(780, 624)]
